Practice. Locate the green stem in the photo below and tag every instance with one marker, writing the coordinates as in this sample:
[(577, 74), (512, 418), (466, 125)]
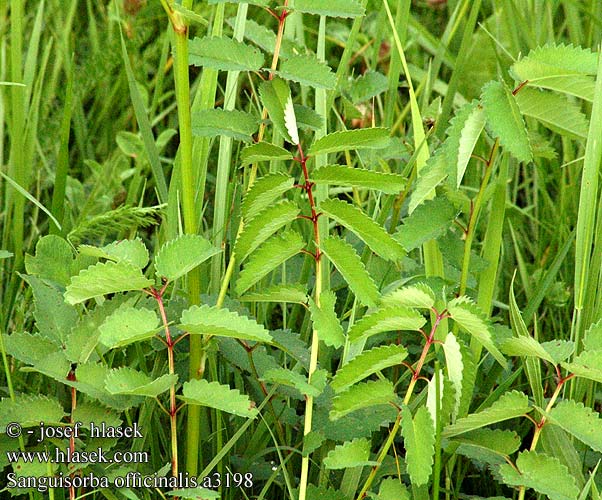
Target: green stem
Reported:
[(474, 217), (315, 341), (173, 408), (189, 212)]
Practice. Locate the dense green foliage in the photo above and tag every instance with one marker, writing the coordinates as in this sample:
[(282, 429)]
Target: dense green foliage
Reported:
[(336, 249)]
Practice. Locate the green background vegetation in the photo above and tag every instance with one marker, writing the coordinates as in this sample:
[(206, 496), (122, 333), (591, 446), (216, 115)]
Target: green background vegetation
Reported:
[(351, 247)]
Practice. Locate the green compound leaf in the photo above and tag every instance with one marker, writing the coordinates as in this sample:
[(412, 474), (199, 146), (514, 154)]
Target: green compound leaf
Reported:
[(30, 410), (263, 193), (525, 346), (5, 254), (419, 296), (339, 175), (307, 118), (28, 348), (487, 445), (464, 312), (263, 151), (543, 473), (431, 175), (379, 241), (592, 340), (224, 54), (363, 395), (132, 251), (263, 226), (559, 350), (387, 319), (505, 121), (201, 493), (307, 70), (348, 263), (332, 8), (218, 396), (362, 138), (90, 379), (562, 68), (580, 421), (289, 378), (268, 257), (392, 489), (276, 97), (89, 412), (129, 381), (587, 365), (366, 364), (431, 219), (179, 256), (511, 405), (262, 3), (104, 278), (53, 260), (323, 493), (367, 86), (296, 294), (553, 111), (419, 441), (54, 318), (350, 454), (208, 320), (220, 122), (325, 320), (128, 325)]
